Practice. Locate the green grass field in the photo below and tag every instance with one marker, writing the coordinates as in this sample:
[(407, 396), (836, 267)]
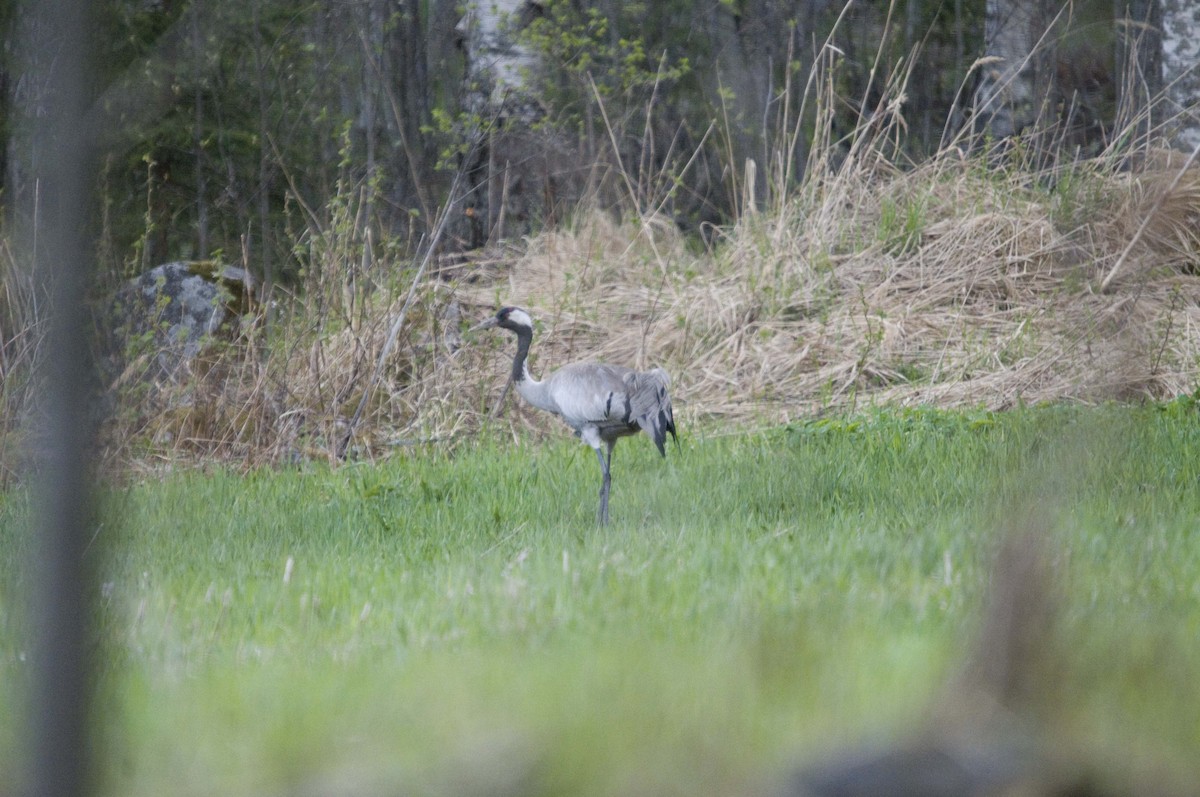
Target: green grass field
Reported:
[(452, 621)]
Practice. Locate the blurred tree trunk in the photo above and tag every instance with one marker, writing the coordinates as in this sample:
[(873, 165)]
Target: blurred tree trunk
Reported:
[(411, 106), (393, 101), (500, 65), (1181, 70), (507, 168), (1138, 65), (265, 167), (754, 43), (8, 44), (197, 41), (1015, 92), (740, 81)]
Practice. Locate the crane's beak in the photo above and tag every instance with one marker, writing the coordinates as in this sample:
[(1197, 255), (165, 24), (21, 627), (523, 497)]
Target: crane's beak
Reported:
[(488, 324)]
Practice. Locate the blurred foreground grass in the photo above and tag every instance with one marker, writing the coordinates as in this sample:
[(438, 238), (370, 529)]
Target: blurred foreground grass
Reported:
[(452, 622)]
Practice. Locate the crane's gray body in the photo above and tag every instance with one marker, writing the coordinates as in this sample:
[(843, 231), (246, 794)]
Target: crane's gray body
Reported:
[(601, 402), (604, 402)]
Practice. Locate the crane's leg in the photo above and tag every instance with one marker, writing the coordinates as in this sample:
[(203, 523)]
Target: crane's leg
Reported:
[(606, 484)]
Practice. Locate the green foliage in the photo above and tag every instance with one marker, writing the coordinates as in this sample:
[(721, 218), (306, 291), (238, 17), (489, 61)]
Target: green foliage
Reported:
[(585, 49), (901, 224), (1079, 195), (599, 63), (219, 83), (225, 112), (452, 619)]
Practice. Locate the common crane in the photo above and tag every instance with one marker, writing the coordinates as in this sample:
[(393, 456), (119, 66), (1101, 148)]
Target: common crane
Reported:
[(601, 402)]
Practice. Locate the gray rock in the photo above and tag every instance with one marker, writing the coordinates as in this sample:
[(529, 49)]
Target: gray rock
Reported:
[(175, 311)]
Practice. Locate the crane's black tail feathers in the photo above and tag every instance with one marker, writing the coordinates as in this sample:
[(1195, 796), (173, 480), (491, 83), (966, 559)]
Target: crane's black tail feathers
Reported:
[(650, 405)]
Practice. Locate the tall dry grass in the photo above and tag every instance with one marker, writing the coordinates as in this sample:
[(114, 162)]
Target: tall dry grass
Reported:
[(22, 330), (950, 283), (982, 276), (979, 277)]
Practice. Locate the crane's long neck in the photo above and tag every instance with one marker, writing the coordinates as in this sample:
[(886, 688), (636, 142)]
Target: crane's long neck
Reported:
[(530, 389), (520, 368)]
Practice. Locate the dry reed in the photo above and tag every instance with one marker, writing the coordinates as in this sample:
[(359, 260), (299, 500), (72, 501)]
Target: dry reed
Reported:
[(950, 284), (975, 295), (967, 280)]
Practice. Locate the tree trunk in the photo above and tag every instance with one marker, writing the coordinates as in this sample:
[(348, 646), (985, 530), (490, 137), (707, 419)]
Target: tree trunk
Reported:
[(499, 64), (737, 90), (508, 167), (410, 44), (1015, 91), (1138, 65), (198, 136), (751, 43), (264, 159), (1181, 70)]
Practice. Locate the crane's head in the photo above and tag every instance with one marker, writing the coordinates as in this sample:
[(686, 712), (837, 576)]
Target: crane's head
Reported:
[(514, 319)]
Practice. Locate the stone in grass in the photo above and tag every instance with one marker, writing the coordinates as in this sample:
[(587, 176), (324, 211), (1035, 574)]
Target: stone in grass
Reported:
[(174, 311)]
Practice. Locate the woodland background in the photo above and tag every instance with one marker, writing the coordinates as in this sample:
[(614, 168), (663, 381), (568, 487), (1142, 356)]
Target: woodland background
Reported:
[(222, 121)]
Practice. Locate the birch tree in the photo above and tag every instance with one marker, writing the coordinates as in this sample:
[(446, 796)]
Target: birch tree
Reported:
[(1181, 70), (506, 166)]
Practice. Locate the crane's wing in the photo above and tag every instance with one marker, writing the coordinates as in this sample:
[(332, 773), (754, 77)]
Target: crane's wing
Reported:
[(614, 399), (588, 393), (650, 404)]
